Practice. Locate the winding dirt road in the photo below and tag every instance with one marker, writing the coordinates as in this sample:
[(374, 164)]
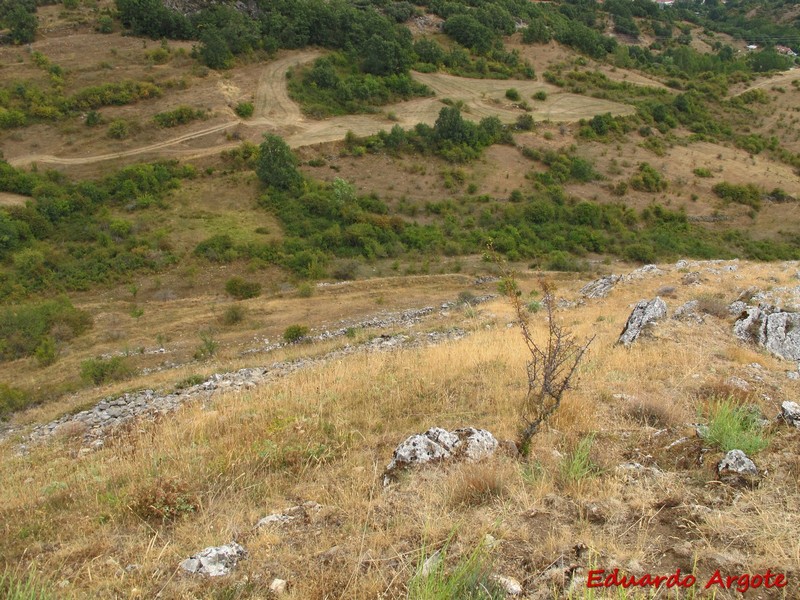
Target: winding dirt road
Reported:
[(276, 112)]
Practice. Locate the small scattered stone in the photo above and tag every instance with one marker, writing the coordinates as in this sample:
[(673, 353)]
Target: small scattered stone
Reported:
[(215, 561), (688, 312), (693, 278), (511, 586), (738, 383), (790, 412), (278, 586), (737, 469)]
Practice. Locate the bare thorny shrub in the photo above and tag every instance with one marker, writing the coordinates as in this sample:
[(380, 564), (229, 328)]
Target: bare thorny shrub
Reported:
[(552, 366)]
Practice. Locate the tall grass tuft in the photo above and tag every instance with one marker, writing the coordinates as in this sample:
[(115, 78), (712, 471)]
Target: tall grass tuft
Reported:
[(732, 427), (12, 587), (469, 579), (578, 465)]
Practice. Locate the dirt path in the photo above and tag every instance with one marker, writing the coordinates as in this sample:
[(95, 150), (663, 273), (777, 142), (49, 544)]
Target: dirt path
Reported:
[(275, 111), (9, 199), (781, 78), (272, 102)]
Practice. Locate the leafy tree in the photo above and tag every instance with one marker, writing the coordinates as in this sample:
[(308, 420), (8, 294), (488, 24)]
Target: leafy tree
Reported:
[(276, 165), (386, 56), (469, 32), (429, 51), (450, 126), (23, 25), (214, 50), (536, 33)]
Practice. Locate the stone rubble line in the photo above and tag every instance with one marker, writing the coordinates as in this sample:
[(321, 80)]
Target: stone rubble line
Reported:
[(111, 413)]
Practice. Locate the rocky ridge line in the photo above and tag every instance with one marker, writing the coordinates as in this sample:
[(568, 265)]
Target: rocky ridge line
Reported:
[(112, 413)]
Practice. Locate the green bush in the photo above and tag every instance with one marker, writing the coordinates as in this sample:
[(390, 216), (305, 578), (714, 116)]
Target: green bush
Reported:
[(294, 333), (233, 315), (101, 370), (46, 352), (208, 346), (105, 24), (11, 400), (245, 109), (732, 427), (541, 95), (179, 116), (24, 327), (747, 194), (702, 172), (513, 94), (524, 123), (190, 381), (118, 129), (242, 289), (648, 180)]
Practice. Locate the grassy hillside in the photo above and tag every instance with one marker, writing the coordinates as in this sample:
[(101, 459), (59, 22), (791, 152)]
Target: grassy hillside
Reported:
[(326, 433)]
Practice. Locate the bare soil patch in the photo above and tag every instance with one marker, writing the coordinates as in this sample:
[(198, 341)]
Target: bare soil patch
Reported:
[(9, 199)]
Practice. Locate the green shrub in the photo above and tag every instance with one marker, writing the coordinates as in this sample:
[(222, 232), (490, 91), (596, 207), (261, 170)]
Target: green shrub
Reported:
[(642, 253), (101, 370), (164, 500), (11, 400), (747, 194), (208, 346), (540, 95), (513, 94), (305, 290), (189, 381), (118, 129), (46, 352), (93, 118), (242, 289), (245, 109), (732, 427), (295, 333), (233, 315), (105, 24), (218, 248), (702, 172), (524, 123), (179, 116), (648, 180), (24, 327)]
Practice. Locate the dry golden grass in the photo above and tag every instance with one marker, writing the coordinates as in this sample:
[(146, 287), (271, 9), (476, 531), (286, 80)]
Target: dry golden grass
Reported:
[(325, 433)]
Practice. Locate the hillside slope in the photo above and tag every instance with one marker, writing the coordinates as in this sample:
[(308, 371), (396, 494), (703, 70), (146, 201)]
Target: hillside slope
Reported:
[(116, 521)]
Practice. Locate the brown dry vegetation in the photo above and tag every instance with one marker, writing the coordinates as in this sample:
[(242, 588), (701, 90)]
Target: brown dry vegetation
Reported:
[(326, 433)]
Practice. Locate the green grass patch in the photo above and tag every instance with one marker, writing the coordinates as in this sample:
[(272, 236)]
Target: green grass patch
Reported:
[(468, 579), (24, 587), (732, 427)]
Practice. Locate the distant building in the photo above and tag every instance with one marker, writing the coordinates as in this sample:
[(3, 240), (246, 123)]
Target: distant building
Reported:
[(785, 50)]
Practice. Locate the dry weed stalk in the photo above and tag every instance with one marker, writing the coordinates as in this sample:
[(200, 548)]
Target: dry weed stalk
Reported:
[(552, 366)]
